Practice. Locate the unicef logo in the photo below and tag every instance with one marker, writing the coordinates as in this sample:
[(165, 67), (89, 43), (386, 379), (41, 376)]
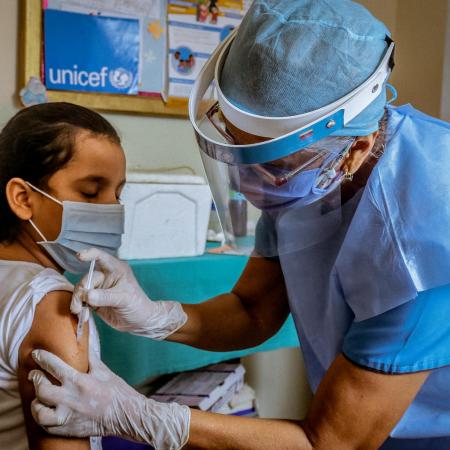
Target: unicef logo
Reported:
[(120, 78)]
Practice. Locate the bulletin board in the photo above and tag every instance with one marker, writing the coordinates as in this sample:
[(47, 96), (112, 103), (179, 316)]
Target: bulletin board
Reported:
[(133, 56), (31, 62)]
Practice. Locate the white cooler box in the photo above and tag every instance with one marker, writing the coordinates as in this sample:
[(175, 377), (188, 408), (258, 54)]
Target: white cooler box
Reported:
[(165, 215)]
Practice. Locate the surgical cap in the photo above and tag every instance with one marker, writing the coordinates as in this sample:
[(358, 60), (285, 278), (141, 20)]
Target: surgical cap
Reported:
[(292, 57)]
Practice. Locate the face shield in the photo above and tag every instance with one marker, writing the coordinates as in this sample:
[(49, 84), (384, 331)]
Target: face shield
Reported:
[(293, 162)]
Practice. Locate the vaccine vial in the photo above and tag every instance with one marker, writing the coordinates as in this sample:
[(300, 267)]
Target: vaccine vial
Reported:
[(238, 212)]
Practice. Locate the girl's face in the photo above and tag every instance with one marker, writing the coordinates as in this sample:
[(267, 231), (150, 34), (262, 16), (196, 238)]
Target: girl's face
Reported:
[(95, 174)]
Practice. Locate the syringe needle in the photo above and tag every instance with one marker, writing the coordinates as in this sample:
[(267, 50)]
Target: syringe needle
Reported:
[(84, 313)]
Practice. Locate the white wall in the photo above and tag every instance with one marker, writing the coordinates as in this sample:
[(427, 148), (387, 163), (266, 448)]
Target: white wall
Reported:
[(420, 35), (279, 379), (384, 10), (152, 142), (8, 53)]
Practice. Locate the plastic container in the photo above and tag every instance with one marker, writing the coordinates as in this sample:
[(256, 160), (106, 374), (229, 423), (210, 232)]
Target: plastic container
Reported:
[(166, 216)]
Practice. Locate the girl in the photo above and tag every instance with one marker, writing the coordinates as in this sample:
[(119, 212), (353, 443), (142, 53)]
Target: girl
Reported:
[(62, 169)]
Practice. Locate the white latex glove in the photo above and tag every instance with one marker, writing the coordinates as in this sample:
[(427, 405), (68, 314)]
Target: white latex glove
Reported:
[(120, 301), (100, 403)]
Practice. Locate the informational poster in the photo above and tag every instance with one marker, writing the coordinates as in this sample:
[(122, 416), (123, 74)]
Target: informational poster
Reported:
[(133, 47), (195, 30), (151, 15), (91, 53)]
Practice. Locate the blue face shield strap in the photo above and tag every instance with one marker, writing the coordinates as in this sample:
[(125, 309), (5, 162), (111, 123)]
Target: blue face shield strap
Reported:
[(273, 149)]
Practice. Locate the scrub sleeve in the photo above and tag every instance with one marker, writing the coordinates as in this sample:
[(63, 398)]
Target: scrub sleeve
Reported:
[(410, 338)]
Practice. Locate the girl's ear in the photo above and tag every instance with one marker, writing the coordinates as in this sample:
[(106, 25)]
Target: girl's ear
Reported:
[(18, 195)]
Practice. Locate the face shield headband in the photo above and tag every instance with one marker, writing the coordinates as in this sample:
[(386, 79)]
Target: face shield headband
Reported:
[(288, 134)]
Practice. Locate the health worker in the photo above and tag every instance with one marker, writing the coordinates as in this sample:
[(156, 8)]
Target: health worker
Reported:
[(353, 239)]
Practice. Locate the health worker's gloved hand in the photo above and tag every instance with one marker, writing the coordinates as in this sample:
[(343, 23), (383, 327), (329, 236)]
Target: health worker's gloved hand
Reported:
[(100, 403), (119, 300)]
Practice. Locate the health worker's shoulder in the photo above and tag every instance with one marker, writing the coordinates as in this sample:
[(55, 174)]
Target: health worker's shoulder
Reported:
[(413, 134), (417, 147), (396, 113)]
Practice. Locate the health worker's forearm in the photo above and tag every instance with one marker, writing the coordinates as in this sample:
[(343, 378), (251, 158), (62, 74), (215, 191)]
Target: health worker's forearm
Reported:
[(254, 311), (218, 432), (222, 324)]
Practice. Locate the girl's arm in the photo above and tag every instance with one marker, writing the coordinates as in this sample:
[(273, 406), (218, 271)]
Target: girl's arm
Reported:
[(53, 328)]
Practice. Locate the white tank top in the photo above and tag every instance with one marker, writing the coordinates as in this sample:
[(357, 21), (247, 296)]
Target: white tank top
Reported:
[(23, 286)]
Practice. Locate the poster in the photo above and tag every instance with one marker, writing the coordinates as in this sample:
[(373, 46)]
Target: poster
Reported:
[(195, 30), (151, 15), (173, 40), (91, 53)]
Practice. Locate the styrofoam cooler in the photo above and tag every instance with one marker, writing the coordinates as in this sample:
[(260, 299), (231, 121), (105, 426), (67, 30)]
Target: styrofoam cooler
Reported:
[(166, 215)]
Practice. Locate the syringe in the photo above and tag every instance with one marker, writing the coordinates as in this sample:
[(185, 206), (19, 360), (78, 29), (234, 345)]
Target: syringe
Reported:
[(84, 313)]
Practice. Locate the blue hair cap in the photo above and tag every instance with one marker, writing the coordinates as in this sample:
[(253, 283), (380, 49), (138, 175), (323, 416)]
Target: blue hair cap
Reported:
[(292, 57)]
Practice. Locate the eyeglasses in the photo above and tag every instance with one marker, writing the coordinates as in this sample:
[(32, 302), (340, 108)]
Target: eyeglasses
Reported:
[(280, 171), (214, 115)]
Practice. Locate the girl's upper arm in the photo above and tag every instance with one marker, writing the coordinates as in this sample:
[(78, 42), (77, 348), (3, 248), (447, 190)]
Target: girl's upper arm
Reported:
[(53, 329)]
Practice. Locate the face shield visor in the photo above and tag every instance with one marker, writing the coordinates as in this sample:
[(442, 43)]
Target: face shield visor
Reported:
[(291, 163)]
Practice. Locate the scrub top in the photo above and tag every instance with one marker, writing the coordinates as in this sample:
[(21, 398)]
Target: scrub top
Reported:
[(376, 285)]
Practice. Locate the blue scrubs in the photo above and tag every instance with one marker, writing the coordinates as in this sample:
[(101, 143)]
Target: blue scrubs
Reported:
[(373, 280)]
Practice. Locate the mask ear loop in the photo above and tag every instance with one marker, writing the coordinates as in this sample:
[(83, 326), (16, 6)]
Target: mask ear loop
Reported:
[(38, 231), (393, 93), (44, 193)]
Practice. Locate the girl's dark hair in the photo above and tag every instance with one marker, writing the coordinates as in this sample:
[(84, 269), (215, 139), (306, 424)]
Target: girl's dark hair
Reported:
[(37, 142)]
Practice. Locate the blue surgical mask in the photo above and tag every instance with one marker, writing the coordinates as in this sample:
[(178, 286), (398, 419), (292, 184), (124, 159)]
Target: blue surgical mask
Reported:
[(303, 189), (264, 195), (84, 225)]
